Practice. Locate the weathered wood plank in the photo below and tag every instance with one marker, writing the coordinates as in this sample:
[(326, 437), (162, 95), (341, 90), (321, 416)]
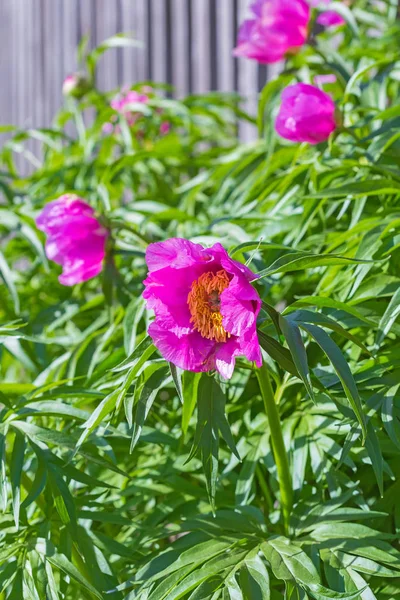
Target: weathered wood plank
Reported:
[(225, 40), (200, 31), (187, 43), (248, 83), (180, 46)]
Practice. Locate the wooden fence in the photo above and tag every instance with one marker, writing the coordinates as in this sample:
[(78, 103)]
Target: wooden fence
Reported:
[(187, 43)]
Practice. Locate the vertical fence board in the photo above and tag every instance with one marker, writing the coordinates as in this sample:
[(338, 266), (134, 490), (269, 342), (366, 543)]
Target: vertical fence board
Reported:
[(158, 41), (200, 46), (141, 30), (129, 72), (180, 47), (225, 38), (71, 35), (248, 83), (187, 43), (106, 26)]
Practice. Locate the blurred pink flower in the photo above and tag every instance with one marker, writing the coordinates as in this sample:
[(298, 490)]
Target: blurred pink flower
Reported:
[(123, 104), (325, 78), (205, 306), (276, 28), (306, 114), (328, 18), (165, 127), (76, 240)]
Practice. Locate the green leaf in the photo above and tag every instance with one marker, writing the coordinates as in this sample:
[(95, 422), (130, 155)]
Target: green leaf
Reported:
[(177, 375), (389, 317), (190, 385), (357, 189), (61, 562), (210, 420), (278, 352), (104, 409), (296, 261), (147, 397), (3, 476), (342, 369), (319, 592), (259, 573), (289, 562), (16, 466), (297, 349), (134, 314), (8, 278), (142, 352), (375, 454)]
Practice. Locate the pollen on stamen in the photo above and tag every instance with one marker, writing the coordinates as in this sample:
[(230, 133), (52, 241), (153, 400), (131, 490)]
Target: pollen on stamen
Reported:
[(204, 305)]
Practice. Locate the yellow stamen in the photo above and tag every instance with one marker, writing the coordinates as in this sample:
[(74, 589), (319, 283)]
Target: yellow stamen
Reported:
[(204, 305)]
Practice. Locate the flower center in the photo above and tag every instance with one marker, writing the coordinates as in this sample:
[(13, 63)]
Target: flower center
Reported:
[(204, 305)]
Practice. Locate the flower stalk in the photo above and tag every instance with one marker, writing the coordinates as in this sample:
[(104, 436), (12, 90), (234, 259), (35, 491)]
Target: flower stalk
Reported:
[(278, 445)]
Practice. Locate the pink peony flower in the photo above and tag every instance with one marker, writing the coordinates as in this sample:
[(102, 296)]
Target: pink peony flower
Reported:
[(205, 306), (329, 18), (277, 27), (307, 114), (75, 238)]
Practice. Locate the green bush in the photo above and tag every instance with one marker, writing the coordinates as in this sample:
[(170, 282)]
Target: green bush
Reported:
[(122, 476)]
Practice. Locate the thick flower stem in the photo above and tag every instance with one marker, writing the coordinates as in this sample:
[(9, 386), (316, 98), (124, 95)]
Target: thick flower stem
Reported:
[(278, 446)]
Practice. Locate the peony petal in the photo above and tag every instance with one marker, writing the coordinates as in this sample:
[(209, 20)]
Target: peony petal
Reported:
[(191, 352), (175, 252), (226, 357), (240, 305), (276, 29), (78, 272), (234, 267)]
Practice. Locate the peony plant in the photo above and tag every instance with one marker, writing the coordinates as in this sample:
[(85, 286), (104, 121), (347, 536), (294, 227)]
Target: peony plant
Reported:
[(205, 403)]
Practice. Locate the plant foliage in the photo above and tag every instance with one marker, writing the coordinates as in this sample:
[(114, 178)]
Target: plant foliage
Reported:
[(122, 477)]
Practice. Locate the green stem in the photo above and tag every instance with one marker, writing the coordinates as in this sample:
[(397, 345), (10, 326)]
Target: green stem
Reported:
[(278, 446)]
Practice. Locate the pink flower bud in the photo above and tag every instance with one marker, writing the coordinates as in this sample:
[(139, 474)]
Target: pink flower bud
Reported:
[(75, 85), (328, 18), (76, 240), (276, 28), (306, 114)]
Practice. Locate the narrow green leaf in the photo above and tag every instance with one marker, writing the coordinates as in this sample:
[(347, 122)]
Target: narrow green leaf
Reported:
[(342, 369), (16, 466), (278, 353), (61, 562), (3, 476), (147, 397), (389, 317), (292, 334), (190, 384), (104, 409), (259, 573), (297, 261), (375, 453), (8, 279), (177, 375)]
